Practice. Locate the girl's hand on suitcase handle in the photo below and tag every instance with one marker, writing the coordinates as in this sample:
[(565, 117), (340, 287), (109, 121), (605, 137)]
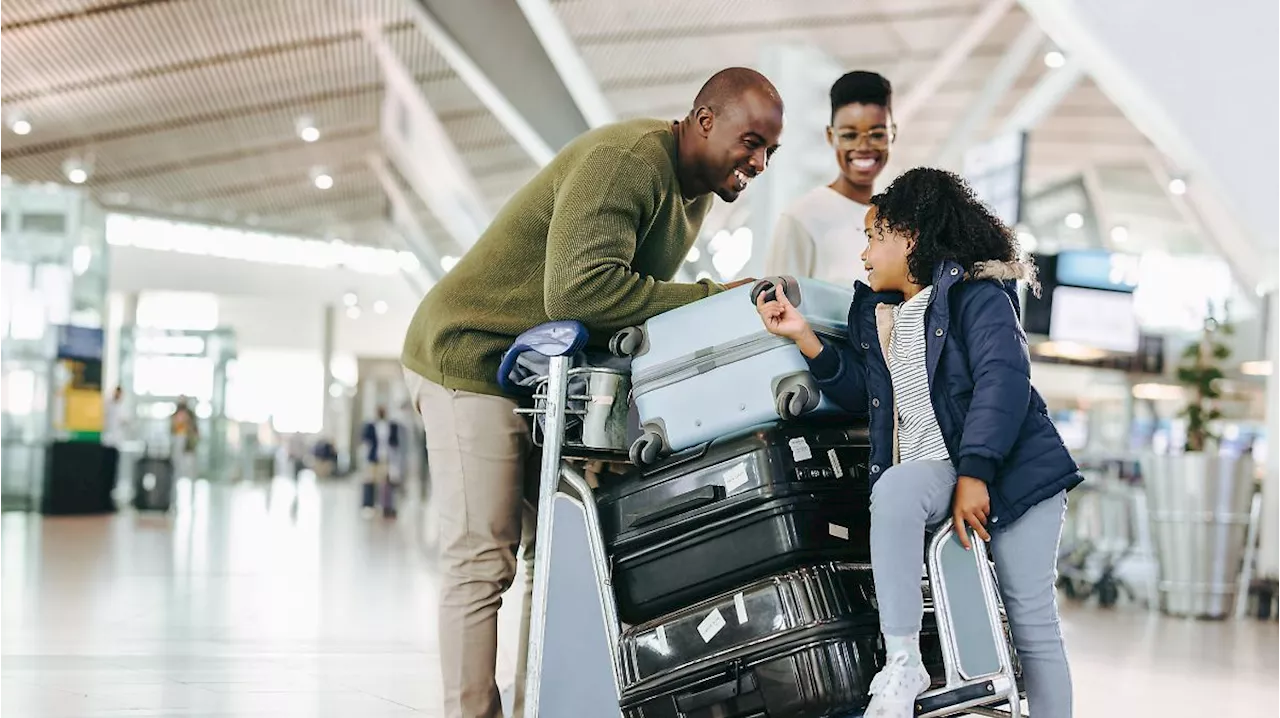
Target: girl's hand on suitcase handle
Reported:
[(781, 318), (971, 505)]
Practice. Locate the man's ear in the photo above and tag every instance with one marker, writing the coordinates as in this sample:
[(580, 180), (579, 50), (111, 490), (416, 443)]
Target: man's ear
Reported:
[(706, 119)]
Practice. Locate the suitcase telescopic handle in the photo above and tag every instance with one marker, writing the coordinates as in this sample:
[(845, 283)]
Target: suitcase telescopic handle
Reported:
[(680, 504), (736, 684), (769, 287)]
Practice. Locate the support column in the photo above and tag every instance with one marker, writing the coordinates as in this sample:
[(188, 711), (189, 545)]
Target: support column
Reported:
[(326, 358), (1269, 548)]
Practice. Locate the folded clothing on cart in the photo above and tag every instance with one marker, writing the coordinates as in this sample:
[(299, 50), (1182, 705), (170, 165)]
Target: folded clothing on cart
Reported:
[(526, 366)]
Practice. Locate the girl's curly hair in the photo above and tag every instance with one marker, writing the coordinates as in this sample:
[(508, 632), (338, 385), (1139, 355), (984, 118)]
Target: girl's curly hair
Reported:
[(948, 222)]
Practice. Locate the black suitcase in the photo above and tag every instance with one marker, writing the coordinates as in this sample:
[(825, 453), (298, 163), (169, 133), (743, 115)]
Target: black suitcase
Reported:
[(801, 643), (724, 514), (153, 484)]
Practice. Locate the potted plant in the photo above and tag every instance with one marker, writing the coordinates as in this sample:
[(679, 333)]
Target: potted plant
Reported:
[(1201, 373), (1199, 498)]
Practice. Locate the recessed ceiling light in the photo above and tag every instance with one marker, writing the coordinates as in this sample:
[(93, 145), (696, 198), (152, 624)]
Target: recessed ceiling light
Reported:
[(350, 299), (323, 181), (77, 176), (307, 130), (380, 307), (21, 127), (1075, 220), (1178, 186), (694, 255), (1054, 59), (1120, 234)]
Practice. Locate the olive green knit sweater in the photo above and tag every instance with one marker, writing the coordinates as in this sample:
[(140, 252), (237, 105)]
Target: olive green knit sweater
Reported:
[(595, 236)]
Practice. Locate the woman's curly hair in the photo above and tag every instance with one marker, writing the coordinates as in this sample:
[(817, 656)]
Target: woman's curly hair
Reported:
[(948, 222)]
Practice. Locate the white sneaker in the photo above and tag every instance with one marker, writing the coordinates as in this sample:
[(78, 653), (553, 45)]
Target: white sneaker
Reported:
[(895, 688)]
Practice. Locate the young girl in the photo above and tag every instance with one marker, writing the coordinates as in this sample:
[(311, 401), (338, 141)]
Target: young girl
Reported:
[(937, 362)]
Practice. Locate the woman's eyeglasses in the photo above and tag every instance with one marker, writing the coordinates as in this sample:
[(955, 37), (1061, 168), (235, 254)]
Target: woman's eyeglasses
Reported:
[(879, 139)]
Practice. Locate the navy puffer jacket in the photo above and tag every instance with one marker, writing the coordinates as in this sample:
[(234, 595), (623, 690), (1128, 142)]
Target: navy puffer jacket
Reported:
[(995, 425)]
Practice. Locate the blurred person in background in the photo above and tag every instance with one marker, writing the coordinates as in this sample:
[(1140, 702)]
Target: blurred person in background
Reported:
[(596, 236), (184, 435), (381, 440), (820, 235), (115, 420)]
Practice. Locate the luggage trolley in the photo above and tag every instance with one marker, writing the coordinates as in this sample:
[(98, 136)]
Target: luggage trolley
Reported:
[(573, 665)]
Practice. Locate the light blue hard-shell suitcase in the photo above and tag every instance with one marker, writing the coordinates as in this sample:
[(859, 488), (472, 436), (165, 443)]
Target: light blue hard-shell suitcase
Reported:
[(709, 368)]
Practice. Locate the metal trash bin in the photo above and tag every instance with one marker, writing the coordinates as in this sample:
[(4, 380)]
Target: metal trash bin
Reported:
[(1200, 514)]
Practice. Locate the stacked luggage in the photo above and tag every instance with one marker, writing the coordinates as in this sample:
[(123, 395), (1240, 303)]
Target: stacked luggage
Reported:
[(738, 549)]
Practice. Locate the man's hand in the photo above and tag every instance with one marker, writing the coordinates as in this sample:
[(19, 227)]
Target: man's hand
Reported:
[(971, 506), (740, 282)]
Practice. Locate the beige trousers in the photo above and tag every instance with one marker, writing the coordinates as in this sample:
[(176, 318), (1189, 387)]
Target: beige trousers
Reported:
[(481, 458)]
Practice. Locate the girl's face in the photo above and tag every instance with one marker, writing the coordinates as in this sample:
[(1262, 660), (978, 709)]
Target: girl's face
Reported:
[(885, 257)]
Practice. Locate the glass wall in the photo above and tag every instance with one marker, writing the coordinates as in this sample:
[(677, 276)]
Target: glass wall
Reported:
[(53, 273)]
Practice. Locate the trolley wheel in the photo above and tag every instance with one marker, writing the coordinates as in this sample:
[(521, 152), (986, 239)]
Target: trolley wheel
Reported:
[(794, 402), (625, 342), (646, 450), (1108, 593)]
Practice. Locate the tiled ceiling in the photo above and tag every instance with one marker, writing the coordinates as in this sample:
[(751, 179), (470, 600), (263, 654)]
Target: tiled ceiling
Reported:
[(188, 107)]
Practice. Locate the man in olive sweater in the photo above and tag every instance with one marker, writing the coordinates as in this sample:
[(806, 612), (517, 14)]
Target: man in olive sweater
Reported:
[(596, 236)]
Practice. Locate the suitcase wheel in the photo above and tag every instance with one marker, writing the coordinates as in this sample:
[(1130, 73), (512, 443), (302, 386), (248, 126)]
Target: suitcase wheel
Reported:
[(626, 341), (646, 450), (795, 401)]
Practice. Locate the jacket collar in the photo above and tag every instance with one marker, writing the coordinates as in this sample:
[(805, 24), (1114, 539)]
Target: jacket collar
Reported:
[(946, 275)]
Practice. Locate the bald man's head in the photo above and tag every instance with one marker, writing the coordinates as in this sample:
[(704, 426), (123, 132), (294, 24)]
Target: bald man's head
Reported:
[(728, 86), (731, 132)]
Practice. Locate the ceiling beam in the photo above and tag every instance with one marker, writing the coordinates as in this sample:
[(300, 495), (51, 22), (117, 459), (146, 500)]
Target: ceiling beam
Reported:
[(404, 222), (568, 62), (1218, 228), (957, 51), (421, 149), (544, 100), (1040, 101)]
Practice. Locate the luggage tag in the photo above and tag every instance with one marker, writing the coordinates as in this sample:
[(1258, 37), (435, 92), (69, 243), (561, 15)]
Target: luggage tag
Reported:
[(835, 463), (711, 625), (800, 449), (735, 478), (740, 607), (838, 531)]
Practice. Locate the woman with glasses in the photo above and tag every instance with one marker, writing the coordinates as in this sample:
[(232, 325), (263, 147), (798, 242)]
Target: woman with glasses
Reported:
[(821, 234)]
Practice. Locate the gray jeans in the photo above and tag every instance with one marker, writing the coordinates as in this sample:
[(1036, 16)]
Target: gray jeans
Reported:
[(917, 494)]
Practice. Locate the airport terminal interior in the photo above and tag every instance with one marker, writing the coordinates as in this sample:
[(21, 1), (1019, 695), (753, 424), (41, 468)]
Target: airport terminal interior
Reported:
[(219, 220)]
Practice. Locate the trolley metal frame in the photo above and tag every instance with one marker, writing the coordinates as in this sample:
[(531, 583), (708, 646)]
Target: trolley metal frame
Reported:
[(968, 690)]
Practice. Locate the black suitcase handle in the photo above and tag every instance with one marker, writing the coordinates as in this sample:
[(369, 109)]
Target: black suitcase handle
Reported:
[(677, 505), (734, 685)]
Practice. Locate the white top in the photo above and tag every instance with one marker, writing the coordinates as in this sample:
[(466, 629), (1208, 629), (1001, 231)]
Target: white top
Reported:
[(919, 438), (821, 236), (382, 430)]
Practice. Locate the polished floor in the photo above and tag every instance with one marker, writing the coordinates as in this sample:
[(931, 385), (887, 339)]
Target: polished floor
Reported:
[(278, 599)]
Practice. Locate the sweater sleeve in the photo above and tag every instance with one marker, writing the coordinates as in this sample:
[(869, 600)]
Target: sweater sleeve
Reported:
[(792, 252), (591, 244)]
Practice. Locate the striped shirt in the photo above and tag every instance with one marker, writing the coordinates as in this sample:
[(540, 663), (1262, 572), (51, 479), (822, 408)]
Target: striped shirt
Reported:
[(919, 438)]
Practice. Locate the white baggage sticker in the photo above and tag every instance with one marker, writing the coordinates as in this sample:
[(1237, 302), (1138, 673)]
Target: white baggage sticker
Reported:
[(735, 478), (835, 463), (800, 449), (711, 625), (740, 605), (663, 646), (838, 531)]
